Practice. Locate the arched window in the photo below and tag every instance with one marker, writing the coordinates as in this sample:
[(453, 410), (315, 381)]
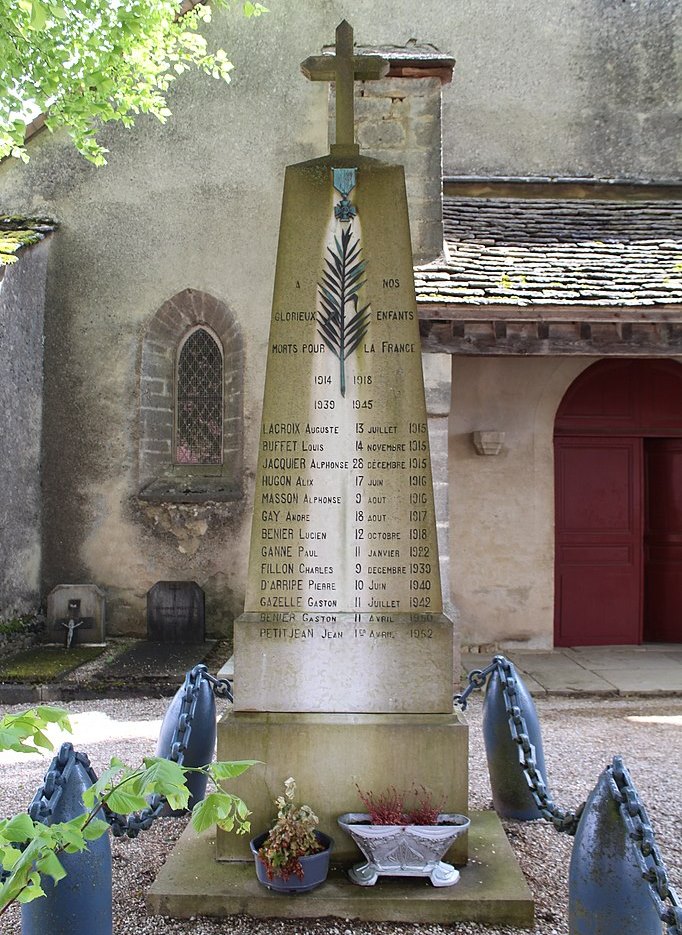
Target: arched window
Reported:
[(199, 400), (191, 411)]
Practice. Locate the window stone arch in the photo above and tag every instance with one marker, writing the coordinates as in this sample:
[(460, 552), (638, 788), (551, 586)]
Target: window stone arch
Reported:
[(161, 477)]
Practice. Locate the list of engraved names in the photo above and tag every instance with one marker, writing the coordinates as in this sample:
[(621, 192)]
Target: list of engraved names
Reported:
[(343, 516)]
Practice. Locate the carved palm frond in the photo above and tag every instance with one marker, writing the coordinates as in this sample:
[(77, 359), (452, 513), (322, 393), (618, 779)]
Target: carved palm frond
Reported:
[(342, 322)]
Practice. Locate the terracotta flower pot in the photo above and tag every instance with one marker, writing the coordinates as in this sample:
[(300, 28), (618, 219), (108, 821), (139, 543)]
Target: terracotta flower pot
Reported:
[(315, 867), (403, 850)]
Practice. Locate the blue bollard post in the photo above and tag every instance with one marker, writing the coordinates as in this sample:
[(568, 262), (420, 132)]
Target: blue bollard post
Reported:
[(193, 708), (80, 904), (511, 795), (606, 891)]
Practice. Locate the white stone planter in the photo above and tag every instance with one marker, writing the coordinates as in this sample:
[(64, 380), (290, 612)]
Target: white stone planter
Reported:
[(403, 850)]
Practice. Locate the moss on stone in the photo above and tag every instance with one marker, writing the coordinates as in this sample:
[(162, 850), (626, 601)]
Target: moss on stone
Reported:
[(17, 232), (46, 663)]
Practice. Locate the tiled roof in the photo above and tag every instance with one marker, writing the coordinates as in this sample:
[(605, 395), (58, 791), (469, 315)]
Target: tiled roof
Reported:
[(520, 252)]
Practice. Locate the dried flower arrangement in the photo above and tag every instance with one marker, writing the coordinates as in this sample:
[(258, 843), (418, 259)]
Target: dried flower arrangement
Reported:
[(292, 836), (390, 807)]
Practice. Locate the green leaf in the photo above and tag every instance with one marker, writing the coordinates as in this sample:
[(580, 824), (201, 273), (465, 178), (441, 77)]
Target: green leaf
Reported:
[(52, 715), (71, 834), (50, 866), (226, 769), (38, 15), (165, 778), (33, 891), (48, 47), (18, 729), (123, 801), (17, 830), (215, 809), (95, 829), (116, 769)]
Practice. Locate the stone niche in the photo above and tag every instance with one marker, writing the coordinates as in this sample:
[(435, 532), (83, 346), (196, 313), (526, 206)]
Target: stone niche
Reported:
[(78, 602)]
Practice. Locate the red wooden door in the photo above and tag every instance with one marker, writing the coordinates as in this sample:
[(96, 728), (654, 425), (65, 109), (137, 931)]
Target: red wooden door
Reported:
[(663, 540), (598, 598)]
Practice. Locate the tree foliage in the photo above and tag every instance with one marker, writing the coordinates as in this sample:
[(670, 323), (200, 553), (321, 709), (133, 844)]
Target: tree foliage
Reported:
[(87, 62)]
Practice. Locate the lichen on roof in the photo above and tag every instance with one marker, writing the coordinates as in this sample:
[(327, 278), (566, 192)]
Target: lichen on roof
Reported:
[(17, 232), (525, 252)]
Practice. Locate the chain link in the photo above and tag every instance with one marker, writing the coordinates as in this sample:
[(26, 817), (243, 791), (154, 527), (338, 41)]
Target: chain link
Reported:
[(477, 679), (49, 793), (46, 799), (647, 854), (222, 688), (622, 789)]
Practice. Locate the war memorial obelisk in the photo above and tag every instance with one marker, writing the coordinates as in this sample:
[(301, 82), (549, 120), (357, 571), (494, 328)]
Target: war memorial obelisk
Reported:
[(343, 660)]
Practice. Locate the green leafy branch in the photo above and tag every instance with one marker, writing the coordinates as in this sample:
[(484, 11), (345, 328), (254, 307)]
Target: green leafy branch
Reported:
[(30, 850), (338, 290), (86, 62), (25, 732)]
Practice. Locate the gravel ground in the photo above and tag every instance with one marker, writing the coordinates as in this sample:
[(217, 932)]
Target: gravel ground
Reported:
[(580, 737)]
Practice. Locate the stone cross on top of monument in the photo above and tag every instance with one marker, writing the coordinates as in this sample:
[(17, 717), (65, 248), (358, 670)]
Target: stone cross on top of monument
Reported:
[(344, 68)]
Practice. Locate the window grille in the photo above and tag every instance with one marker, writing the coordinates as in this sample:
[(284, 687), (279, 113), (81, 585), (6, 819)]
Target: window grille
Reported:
[(199, 409)]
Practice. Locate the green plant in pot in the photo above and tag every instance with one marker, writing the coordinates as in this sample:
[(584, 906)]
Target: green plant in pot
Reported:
[(403, 839), (293, 856)]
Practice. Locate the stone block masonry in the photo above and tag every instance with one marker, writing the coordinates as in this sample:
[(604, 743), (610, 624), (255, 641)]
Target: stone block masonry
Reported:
[(398, 120)]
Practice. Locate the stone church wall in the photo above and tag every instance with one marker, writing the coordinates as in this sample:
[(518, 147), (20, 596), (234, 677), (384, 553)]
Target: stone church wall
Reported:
[(22, 298)]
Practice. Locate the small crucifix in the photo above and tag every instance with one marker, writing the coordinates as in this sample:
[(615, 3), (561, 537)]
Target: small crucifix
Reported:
[(344, 68)]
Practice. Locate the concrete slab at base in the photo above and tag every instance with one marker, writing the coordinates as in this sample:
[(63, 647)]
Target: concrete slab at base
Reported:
[(491, 890), (327, 754)]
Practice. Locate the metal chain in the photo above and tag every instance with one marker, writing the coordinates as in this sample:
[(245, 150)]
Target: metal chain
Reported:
[(647, 854), (49, 793), (563, 821), (623, 790), (566, 822), (47, 797), (222, 688), (477, 679), (131, 825)]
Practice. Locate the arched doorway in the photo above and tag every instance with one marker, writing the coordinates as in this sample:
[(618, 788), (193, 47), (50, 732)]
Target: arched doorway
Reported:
[(618, 495)]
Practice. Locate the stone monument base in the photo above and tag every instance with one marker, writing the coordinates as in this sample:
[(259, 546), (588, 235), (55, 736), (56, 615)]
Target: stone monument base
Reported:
[(327, 754), (491, 889)]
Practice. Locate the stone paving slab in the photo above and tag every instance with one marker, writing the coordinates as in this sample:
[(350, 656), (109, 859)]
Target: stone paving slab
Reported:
[(558, 673), (653, 669), (658, 680), (599, 658), (492, 889)]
